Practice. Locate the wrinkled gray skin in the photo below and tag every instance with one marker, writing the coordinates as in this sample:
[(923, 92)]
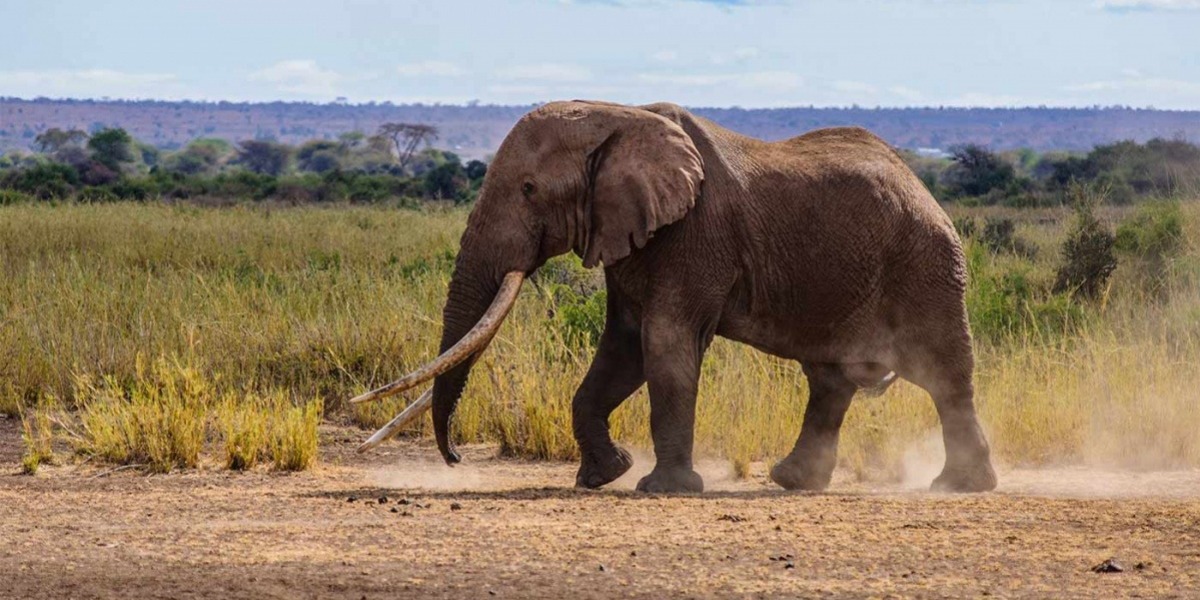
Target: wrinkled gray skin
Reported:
[(824, 249)]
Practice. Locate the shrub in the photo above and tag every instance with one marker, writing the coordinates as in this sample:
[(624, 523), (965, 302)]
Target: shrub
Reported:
[(11, 403), (95, 195), (138, 189), (1006, 304), (998, 236), (294, 435), (243, 428), (38, 436), (976, 172), (1153, 236), (8, 197), (1154, 232), (157, 421), (1087, 253), (47, 181), (580, 317), (967, 227)]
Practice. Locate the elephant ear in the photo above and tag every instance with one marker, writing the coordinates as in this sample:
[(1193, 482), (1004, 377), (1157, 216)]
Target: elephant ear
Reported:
[(646, 174)]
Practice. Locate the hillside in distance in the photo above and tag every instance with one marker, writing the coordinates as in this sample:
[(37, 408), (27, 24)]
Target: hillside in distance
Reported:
[(475, 130)]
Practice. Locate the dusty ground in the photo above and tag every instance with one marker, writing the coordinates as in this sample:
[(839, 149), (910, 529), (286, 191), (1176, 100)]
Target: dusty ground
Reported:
[(517, 529)]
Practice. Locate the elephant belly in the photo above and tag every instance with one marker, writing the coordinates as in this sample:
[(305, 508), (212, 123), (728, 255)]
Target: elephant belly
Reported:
[(861, 337)]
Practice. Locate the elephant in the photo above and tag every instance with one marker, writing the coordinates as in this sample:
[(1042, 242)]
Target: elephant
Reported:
[(824, 248)]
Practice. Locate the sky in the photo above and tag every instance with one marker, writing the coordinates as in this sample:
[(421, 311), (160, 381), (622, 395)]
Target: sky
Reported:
[(693, 52)]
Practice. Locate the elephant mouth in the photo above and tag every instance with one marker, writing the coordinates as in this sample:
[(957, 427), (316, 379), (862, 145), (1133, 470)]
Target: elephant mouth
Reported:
[(475, 341)]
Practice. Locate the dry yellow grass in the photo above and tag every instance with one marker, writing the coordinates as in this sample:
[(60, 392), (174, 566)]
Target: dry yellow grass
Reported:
[(324, 302)]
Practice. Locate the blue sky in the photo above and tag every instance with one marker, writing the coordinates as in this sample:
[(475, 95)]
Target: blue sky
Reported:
[(700, 53)]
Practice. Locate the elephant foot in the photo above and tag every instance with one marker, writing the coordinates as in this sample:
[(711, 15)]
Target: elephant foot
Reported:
[(595, 472), (801, 475), (979, 477), (668, 481)]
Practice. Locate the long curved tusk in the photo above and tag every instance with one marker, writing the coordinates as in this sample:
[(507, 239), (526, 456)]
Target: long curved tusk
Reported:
[(473, 341), (408, 415)]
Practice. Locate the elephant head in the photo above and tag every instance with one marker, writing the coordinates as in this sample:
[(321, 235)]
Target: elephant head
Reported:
[(597, 179)]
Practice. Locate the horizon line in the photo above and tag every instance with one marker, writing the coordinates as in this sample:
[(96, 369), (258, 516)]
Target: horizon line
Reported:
[(344, 103)]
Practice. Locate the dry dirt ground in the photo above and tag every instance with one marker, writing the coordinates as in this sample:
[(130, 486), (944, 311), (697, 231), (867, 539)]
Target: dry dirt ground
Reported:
[(503, 528)]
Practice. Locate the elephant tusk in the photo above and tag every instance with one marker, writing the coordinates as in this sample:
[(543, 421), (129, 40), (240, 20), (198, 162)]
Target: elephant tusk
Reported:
[(475, 340), (411, 413)]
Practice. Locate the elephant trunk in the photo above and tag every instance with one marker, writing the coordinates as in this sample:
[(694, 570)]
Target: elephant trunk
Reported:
[(468, 298), (473, 300), (474, 311)]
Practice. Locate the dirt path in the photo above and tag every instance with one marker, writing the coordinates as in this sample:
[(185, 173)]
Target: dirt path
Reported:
[(498, 528)]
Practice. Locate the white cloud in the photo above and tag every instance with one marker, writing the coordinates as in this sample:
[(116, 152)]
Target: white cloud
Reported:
[(430, 68), (1135, 5), (765, 80), (303, 77), (1158, 85), (88, 83), (906, 93), (548, 72), (518, 90), (855, 87), (664, 56), (737, 56), (973, 99), (636, 3)]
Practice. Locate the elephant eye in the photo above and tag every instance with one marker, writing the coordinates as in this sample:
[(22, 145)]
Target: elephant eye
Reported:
[(528, 188)]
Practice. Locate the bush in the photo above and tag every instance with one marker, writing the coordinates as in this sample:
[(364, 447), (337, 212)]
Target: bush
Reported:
[(47, 181), (157, 421), (1154, 232), (976, 172), (998, 236), (1005, 304), (580, 317), (242, 427), (966, 227), (294, 435), (1087, 253), (38, 437), (8, 197), (1153, 236)]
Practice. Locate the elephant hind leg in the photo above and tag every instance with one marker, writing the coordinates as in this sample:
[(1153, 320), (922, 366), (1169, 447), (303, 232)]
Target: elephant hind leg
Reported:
[(811, 462), (944, 366)]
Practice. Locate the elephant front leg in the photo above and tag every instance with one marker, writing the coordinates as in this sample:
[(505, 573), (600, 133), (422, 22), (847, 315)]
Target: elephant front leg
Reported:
[(672, 360), (811, 462), (616, 373)]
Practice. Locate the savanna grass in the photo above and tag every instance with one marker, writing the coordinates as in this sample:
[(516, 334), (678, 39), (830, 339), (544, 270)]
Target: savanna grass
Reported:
[(37, 434), (324, 302)]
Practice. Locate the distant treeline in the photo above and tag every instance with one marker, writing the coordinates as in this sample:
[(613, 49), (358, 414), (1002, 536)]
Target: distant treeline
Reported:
[(111, 165), (391, 166), (1120, 173), (475, 130)]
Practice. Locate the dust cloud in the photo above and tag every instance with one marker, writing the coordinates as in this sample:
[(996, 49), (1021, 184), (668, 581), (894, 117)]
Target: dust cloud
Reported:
[(436, 476), (1136, 477)]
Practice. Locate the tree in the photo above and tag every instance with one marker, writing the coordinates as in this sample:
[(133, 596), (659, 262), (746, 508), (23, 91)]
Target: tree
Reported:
[(447, 182), (406, 137), (201, 156), (976, 171), (1087, 253), (263, 157), (476, 169), (320, 156), (54, 139), (111, 147), (352, 140)]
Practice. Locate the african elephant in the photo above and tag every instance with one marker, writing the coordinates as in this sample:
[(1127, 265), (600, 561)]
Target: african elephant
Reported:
[(823, 248)]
